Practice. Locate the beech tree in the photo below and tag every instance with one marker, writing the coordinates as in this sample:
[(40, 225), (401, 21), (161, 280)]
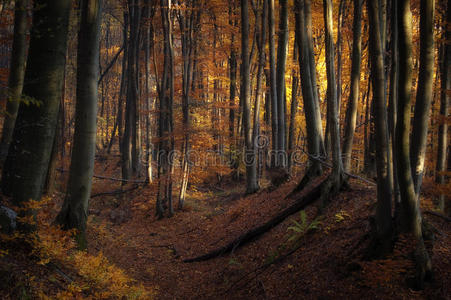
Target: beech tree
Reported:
[(381, 244), (411, 219), (445, 79), (74, 212), (16, 74), (351, 111), (250, 157), (29, 153)]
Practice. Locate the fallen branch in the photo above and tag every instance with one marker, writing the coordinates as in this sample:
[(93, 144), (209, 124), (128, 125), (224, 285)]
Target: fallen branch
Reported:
[(109, 178), (116, 192), (257, 231), (430, 212)]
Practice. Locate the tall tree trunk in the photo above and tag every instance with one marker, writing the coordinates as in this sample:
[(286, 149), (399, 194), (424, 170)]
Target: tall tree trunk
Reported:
[(258, 93), (250, 161), (311, 60), (130, 149), (16, 75), (233, 71), (165, 127), (332, 108), (410, 208), (280, 83), (445, 79), (351, 112), (29, 153), (74, 212), (424, 93), (393, 100), (383, 228), (313, 130), (273, 83), (294, 107)]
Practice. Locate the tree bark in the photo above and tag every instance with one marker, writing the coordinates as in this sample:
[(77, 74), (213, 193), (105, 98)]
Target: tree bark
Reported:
[(410, 208), (16, 75), (273, 83), (29, 153), (445, 78), (382, 240), (424, 93), (74, 212), (351, 112), (250, 157)]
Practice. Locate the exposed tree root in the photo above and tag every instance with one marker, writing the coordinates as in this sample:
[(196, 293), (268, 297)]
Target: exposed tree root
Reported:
[(252, 234), (312, 172)]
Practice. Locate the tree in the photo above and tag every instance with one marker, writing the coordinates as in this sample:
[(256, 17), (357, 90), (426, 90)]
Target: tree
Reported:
[(165, 123), (424, 93), (351, 111), (188, 22), (273, 83), (16, 75), (280, 83), (383, 226), (336, 177), (445, 78), (410, 209), (312, 124), (29, 153), (74, 212), (131, 138), (250, 157)]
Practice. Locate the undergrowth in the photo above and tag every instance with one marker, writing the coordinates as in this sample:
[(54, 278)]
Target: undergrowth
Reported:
[(84, 275)]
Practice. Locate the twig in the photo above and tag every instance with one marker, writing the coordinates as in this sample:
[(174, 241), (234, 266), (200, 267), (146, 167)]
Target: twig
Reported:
[(438, 215), (317, 158), (109, 178), (114, 192)]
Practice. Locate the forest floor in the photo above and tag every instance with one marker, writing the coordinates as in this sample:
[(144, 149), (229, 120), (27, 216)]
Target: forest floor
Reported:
[(327, 264)]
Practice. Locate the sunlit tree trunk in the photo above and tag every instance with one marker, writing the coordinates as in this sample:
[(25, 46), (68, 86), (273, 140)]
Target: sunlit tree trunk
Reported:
[(351, 111), (232, 91), (261, 40), (294, 107), (424, 93), (332, 108), (273, 82), (410, 208), (74, 212), (280, 82), (16, 74), (250, 157), (29, 153), (311, 60), (313, 130)]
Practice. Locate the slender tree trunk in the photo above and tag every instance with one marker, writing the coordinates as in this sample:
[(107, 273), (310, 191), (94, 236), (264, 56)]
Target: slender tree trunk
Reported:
[(233, 71), (16, 75), (313, 130), (280, 83), (250, 157), (445, 79), (258, 93), (29, 153), (74, 212), (332, 108), (424, 93), (294, 108), (410, 208), (393, 100), (311, 60), (351, 112), (130, 148), (273, 83), (384, 228)]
